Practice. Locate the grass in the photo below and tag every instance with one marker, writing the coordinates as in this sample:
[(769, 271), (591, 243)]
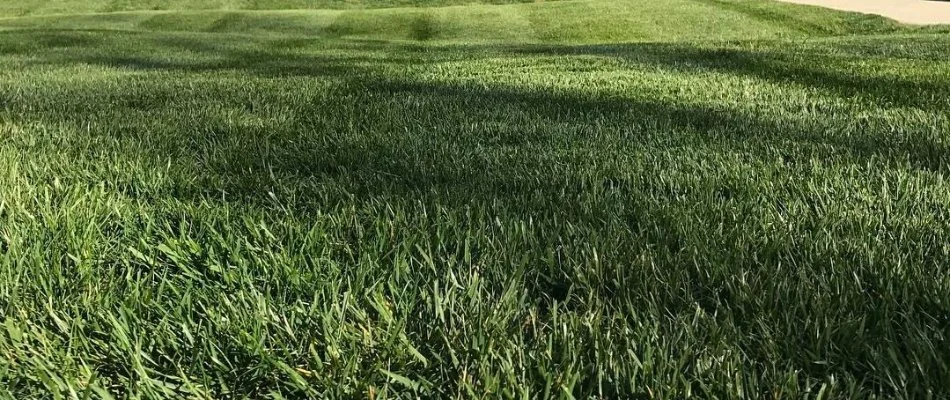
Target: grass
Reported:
[(716, 199), (573, 22), (46, 7)]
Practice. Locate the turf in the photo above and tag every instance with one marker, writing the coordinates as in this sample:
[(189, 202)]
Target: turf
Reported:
[(715, 199), (46, 7), (572, 22)]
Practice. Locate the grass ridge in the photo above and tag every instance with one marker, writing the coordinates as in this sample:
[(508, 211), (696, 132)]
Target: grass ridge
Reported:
[(556, 22)]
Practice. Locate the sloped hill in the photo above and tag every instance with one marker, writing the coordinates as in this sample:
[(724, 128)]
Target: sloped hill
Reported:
[(46, 7), (595, 21)]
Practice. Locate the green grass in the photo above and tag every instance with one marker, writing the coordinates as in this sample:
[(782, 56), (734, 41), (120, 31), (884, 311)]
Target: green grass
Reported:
[(550, 22), (21, 8), (713, 199)]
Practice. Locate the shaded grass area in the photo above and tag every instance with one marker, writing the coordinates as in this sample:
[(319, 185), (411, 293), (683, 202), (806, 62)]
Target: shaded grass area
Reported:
[(218, 215)]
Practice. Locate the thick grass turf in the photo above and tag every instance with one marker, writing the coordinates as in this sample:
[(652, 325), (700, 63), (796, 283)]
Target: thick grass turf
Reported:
[(720, 199)]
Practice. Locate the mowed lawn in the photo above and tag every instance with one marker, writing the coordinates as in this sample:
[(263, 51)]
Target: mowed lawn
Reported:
[(592, 199)]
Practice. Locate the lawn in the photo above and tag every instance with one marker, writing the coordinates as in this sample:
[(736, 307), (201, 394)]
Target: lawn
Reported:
[(563, 199)]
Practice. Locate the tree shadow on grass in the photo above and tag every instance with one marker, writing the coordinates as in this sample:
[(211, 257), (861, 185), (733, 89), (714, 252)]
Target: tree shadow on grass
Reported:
[(823, 70), (376, 132), (830, 67), (418, 136)]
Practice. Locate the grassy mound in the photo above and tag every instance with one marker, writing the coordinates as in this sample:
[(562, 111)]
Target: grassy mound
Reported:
[(46, 7), (548, 22), (478, 201)]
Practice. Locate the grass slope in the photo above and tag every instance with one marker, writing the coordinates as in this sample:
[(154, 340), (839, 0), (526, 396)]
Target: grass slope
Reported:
[(550, 22), (213, 214), (22, 8)]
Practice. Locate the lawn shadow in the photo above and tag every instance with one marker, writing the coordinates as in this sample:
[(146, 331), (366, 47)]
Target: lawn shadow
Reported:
[(393, 132), (832, 68), (372, 130), (822, 70)]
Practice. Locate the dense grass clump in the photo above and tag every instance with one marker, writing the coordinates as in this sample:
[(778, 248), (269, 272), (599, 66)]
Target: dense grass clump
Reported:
[(751, 204)]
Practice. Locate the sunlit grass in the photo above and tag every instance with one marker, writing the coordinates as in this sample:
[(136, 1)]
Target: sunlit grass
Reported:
[(197, 214)]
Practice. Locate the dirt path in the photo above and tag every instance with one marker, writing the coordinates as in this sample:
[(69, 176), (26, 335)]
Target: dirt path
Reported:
[(909, 11)]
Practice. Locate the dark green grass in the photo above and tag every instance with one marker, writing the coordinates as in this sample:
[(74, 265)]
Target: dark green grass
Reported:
[(223, 215)]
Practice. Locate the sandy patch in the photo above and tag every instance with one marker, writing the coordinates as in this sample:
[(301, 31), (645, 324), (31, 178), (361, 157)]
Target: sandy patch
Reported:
[(909, 11)]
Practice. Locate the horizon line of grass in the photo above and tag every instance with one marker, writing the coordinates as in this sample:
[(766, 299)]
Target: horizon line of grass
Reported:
[(548, 22)]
